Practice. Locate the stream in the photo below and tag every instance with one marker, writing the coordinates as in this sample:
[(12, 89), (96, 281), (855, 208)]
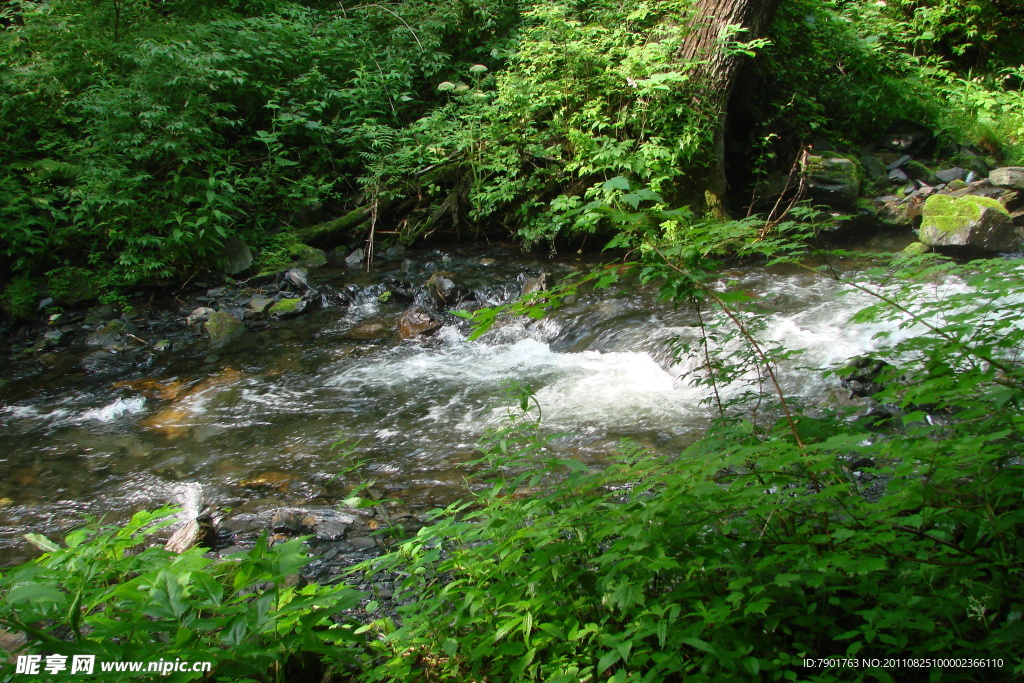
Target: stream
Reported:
[(256, 424)]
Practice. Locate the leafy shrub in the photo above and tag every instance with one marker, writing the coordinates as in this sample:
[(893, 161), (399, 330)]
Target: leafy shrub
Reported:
[(107, 594), (20, 297)]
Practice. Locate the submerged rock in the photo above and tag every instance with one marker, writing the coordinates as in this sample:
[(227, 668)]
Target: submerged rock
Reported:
[(416, 322), (110, 334), (980, 222), (223, 328)]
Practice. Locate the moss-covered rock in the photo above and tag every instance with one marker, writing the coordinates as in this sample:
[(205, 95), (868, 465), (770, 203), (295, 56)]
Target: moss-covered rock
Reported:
[(979, 222), (918, 171), (833, 180), (286, 308), (311, 257), (223, 328), (916, 249)]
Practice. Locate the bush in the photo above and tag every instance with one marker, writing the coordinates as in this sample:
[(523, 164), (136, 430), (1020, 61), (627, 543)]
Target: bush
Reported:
[(107, 593), (20, 297)]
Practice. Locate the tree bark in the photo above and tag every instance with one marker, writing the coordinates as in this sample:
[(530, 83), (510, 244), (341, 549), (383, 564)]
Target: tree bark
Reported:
[(716, 74)]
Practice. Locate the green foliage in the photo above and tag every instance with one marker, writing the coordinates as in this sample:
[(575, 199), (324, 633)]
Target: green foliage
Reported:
[(108, 594), (145, 136), (20, 297), (278, 252)]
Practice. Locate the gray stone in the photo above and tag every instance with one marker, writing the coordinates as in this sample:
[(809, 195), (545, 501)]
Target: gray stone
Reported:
[(331, 530), (395, 253), (1008, 176), (948, 175), (109, 334), (258, 303), (918, 171), (362, 542), (298, 278), (979, 222), (48, 301), (199, 315), (99, 314), (898, 163), (898, 176), (236, 256), (355, 259), (223, 328), (873, 167)]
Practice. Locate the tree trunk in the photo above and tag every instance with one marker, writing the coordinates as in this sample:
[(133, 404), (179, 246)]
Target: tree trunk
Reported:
[(716, 74)]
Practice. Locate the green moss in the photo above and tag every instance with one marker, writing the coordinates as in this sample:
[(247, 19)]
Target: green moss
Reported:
[(284, 306), (916, 249), (223, 327), (949, 214), (918, 171), (834, 168), (284, 251)]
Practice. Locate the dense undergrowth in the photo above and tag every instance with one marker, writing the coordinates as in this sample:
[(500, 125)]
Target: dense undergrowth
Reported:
[(139, 137)]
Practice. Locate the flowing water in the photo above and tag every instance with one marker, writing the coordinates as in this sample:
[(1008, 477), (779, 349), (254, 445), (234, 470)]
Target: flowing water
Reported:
[(257, 427)]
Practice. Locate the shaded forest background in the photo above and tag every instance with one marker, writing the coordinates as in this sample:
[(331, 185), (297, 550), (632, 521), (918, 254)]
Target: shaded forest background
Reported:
[(139, 136)]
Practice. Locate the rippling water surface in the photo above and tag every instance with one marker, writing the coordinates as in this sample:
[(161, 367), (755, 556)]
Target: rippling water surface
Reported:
[(255, 427)]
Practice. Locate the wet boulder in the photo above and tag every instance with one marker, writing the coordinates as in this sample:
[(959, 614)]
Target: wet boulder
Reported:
[(259, 303), (967, 221), (417, 322), (444, 292), (289, 307), (199, 315), (832, 180), (223, 328), (874, 170), (111, 335), (918, 171), (866, 376)]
